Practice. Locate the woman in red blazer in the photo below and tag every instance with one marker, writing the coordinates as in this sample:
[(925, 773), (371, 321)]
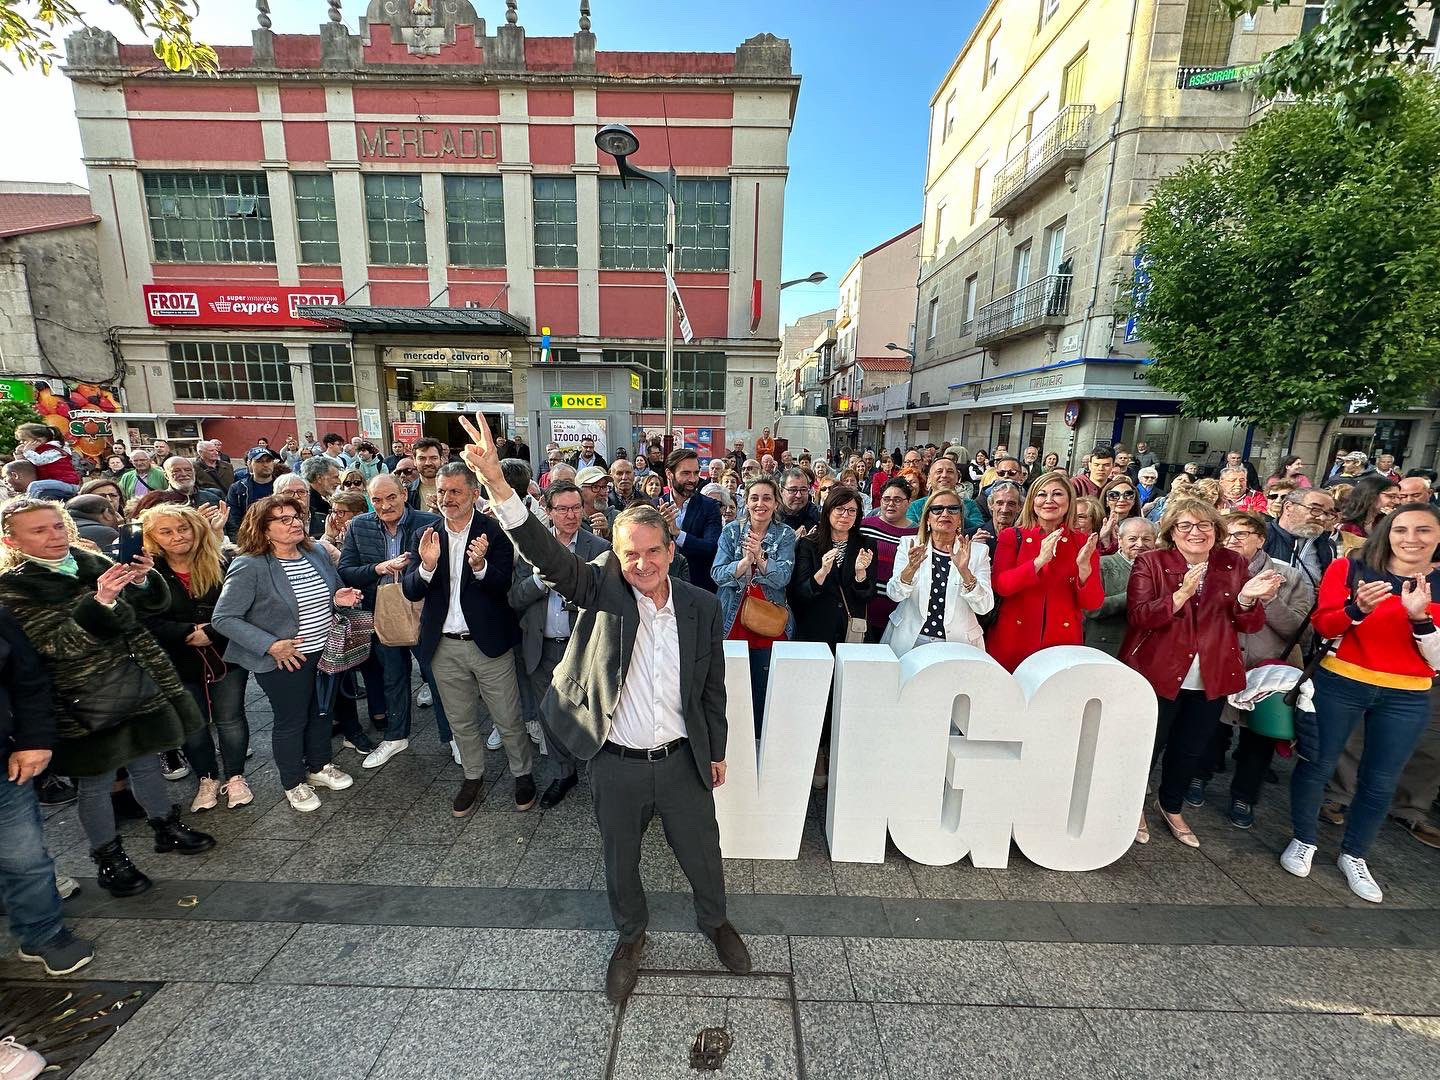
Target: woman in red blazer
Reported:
[(1046, 574), (1188, 602)]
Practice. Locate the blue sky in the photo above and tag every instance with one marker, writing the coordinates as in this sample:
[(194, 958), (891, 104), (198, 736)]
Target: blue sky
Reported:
[(857, 153)]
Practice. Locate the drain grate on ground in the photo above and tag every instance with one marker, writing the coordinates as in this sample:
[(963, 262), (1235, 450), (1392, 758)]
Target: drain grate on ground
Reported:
[(67, 1022)]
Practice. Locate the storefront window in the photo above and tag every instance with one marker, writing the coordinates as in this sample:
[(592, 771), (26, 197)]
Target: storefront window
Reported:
[(333, 373), (231, 371), (210, 217)]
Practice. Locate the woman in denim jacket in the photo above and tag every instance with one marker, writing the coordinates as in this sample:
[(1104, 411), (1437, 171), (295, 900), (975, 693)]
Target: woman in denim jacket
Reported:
[(756, 548)]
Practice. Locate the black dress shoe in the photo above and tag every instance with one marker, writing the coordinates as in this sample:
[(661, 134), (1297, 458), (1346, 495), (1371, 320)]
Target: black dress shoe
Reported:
[(467, 798), (52, 790), (524, 791), (624, 970), (730, 947), (556, 792)]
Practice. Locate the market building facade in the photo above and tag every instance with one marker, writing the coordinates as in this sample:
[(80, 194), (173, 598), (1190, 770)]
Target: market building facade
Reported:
[(342, 231)]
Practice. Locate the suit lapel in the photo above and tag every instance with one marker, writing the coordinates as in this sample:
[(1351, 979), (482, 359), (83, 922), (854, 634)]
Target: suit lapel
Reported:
[(685, 624)]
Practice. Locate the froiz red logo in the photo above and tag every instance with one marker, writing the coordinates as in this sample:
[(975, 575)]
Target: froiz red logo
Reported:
[(174, 305), (299, 300)]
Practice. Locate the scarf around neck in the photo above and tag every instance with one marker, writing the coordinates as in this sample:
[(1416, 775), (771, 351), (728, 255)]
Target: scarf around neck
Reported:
[(66, 566)]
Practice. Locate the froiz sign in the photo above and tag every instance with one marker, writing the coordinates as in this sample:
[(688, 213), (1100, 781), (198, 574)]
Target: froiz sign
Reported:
[(233, 305), (942, 750)]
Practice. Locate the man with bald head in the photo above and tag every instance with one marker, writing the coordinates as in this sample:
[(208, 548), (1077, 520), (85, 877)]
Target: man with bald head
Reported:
[(180, 477), (379, 546)]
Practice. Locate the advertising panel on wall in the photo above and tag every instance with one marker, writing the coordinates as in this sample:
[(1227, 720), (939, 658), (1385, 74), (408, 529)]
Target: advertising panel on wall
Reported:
[(567, 431), (699, 439), (196, 304)]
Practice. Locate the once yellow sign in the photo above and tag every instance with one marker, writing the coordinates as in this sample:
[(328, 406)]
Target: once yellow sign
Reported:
[(577, 401), (634, 381)]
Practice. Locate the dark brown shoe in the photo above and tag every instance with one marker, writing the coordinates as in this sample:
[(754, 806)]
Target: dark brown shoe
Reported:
[(730, 947), (1423, 831), (467, 799), (1332, 812), (624, 970)]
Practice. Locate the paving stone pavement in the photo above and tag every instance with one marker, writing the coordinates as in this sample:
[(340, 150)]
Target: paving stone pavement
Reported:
[(381, 937)]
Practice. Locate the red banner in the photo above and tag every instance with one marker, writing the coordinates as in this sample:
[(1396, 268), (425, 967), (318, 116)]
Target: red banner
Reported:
[(233, 305)]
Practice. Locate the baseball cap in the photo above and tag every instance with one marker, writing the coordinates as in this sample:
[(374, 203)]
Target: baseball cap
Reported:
[(589, 475), (260, 451)]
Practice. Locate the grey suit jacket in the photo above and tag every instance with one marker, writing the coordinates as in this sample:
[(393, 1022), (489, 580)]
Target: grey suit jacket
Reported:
[(257, 607), (580, 705), (1105, 627), (530, 600)]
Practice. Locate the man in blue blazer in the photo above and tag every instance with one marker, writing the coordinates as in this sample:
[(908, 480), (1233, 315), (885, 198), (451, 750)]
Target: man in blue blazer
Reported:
[(694, 519), (378, 548), (468, 633)]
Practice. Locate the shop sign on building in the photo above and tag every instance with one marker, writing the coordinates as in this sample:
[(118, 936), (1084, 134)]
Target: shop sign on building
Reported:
[(427, 142), (232, 305), (444, 356)]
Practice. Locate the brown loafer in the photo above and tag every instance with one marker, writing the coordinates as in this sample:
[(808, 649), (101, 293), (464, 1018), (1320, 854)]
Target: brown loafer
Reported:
[(730, 948), (624, 969), (467, 798), (1423, 831)]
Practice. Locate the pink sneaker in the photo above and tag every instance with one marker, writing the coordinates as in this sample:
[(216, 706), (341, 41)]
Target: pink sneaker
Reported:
[(18, 1063)]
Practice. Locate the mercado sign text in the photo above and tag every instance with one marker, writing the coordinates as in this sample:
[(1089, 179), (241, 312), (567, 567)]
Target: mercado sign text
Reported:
[(407, 142)]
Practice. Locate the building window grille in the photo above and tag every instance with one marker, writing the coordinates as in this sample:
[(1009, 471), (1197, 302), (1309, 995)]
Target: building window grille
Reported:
[(395, 219), (333, 373), (317, 224), (555, 217), (702, 224), (210, 217), (698, 382), (475, 220), (230, 371), (632, 225)]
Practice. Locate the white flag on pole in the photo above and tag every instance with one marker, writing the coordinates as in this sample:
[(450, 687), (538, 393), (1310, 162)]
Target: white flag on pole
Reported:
[(687, 333)]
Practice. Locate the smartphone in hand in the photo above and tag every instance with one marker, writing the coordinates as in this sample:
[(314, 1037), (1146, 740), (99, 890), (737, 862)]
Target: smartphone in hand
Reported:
[(131, 542)]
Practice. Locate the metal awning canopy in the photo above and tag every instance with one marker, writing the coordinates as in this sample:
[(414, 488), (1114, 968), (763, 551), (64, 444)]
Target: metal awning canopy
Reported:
[(364, 319)]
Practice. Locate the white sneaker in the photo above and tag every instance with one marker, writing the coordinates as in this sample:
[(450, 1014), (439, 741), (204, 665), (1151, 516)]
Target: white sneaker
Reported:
[(208, 797), (455, 752), (1296, 858), (425, 699), (493, 741), (67, 887), (303, 798), (332, 778), (387, 749), (17, 1062), (238, 792), (537, 735), (1357, 876)]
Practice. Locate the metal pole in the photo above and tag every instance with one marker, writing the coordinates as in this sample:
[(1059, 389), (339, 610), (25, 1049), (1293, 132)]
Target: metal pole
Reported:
[(668, 440)]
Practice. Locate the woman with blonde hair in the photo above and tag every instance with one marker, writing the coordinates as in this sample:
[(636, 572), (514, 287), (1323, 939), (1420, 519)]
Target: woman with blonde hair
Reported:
[(1089, 517), (941, 580)]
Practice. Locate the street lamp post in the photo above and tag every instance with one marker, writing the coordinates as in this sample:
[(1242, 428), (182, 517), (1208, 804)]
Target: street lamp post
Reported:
[(620, 142)]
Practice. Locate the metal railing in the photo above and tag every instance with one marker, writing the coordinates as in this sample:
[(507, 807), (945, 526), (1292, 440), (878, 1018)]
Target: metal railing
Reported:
[(1068, 131), (1038, 304)]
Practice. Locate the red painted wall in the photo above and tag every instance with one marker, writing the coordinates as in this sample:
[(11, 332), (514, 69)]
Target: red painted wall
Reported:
[(302, 99), (552, 144), (632, 304), (551, 102), (197, 140), (425, 101), (191, 96), (382, 50), (662, 63), (398, 293), (619, 104), (682, 147), (200, 272), (549, 54), (307, 140), (315, 274), (557, 305)]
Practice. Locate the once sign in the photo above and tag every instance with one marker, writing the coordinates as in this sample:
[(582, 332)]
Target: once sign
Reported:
[(943, 750)]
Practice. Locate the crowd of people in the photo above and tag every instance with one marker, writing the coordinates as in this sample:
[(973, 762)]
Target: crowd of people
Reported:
[(137, 602)]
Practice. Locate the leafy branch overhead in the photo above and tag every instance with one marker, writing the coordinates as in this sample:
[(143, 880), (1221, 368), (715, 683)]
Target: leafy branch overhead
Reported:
[(1353, 54), (1296, 273), (29, 28)]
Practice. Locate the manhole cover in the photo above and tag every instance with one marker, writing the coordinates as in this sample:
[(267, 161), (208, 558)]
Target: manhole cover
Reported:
[(67, 1022)]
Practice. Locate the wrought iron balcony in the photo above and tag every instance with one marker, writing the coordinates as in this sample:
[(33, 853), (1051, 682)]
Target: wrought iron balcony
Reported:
[(1060, 145), (1041, 305)]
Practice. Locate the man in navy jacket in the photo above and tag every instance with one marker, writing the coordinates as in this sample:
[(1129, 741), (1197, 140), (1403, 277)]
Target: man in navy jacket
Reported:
[(378, 548), (694, 519), (468, 633)]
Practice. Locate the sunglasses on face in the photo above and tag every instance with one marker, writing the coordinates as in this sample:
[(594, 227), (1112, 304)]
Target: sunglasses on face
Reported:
[(403, 472), (355, 483), (936, 511), (1006, 472), (1117, 495)]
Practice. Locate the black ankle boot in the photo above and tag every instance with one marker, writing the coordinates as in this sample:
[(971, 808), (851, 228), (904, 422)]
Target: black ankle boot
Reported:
[(170, 835), (118, 875)]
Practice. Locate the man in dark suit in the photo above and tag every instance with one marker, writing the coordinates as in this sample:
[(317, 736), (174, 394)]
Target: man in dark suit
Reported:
[(378, 548), (694, 519), (468, 632), (640, 694), (586, 456), (546, 617)]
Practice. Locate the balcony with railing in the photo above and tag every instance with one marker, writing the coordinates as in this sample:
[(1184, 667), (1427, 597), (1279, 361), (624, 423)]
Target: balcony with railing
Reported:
[(1041, 305), (1060, 145)]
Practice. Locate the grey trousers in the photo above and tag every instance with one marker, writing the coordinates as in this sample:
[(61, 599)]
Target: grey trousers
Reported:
[(551, 653), (627, 793), (1419, 781), (466, 677)]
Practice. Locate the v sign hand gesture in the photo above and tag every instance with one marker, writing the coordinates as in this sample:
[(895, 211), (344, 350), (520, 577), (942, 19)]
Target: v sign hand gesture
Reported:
[(482, 457)]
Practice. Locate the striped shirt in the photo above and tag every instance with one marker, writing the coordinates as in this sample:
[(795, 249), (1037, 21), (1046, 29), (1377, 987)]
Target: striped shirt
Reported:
[(314, 597)]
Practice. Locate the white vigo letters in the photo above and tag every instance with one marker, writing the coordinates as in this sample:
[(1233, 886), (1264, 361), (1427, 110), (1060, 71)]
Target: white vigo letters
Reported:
[(944, 750)]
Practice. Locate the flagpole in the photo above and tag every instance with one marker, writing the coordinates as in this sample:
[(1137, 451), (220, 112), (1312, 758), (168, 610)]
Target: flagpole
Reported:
[(668, 441)]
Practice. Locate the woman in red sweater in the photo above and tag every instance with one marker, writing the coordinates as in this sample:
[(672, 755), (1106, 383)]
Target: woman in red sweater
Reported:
[(1188, 601), (1046, 574), (1381, 604)]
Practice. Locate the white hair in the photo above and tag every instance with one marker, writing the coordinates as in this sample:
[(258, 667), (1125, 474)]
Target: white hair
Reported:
[(288, 481)]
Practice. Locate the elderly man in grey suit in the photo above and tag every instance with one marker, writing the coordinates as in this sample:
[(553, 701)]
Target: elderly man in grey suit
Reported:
[(1105, 626), (640, 694), (546, 617)]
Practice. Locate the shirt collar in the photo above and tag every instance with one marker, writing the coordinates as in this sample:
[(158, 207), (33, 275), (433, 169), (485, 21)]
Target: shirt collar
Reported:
[(644, 601), (468, 524)]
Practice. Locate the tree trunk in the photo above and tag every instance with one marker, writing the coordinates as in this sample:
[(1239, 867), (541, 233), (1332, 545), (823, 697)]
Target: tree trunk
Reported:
[(1272, 449)]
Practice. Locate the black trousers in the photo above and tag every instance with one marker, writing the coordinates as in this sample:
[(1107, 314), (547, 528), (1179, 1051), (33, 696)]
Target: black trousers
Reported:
[(1184, 728), (627, 793)]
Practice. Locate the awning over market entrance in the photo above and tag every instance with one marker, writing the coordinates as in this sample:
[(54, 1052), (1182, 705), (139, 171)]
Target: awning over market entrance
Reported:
[(364, 319)]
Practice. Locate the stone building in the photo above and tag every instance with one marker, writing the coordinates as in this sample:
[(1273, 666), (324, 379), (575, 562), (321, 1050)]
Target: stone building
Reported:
[(1047, 136), (797, 370), (434, 186)]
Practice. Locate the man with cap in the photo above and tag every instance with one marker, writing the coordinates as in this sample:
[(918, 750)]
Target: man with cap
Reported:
[(596, 513), (259, 481)]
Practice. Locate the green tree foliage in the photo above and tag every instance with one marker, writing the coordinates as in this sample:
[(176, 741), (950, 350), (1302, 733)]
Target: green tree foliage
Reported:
[(1353, 55), (12, 415), (1297, 273), (28, 29)]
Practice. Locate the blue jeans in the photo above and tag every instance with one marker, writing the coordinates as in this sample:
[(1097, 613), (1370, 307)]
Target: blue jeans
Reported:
[(55, 490), (222, 704), (27, 873), (395, 671), (441, 724), (1394, 721)]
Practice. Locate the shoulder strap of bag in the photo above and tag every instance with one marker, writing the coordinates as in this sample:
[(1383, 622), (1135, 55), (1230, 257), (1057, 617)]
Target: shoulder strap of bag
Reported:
[(1327, 645)]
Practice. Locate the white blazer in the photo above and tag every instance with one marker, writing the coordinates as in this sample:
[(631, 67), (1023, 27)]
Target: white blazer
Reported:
[(961, 607)]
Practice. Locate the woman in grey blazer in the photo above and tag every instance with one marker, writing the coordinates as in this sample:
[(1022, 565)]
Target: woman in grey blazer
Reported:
[(275, 609)]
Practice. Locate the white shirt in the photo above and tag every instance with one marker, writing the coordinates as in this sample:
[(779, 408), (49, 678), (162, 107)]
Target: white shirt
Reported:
[(454, 615), (680, 536), (649, 712)]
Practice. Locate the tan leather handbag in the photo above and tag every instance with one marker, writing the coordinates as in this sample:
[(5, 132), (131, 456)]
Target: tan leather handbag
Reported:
[(397, 620), (760, 616)]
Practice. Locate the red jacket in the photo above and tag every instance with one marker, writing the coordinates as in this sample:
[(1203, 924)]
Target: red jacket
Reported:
[(1161, 641), (1038, 609)]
